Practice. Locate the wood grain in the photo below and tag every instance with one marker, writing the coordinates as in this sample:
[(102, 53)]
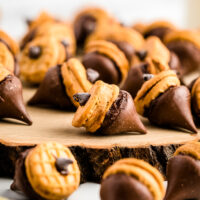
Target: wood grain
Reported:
[(93, 152)]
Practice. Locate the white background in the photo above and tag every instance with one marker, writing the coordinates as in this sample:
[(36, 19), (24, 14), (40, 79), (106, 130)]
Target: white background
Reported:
[(184, 13)]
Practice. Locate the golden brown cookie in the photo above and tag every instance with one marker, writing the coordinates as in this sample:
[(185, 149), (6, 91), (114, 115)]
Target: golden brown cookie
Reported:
[(140, 27), (92, 114), (43, 17), (43, 167), (118, 33), (185, 35), (75, 78), (3, 72), (192, 149), (38, 56), (153, 88), (141, 171), (156, 55), (61, 31), (10, 42), (6, 57), (195, 97), (111, 51)]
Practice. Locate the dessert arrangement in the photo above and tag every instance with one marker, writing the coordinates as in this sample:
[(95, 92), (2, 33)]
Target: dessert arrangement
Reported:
[(110, 77)]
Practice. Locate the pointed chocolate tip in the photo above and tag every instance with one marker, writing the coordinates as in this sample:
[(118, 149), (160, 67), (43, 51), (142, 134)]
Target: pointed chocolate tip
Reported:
[(92, 75), (122, 117), (81, 98), (172, 109)]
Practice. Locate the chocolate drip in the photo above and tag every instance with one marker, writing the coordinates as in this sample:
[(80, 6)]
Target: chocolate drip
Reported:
[(122, 186)]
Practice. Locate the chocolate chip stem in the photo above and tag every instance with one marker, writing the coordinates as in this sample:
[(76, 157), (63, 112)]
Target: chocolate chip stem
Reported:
[(62, 165), (92, 75), (81, 98), (141, 54), (147, 77)]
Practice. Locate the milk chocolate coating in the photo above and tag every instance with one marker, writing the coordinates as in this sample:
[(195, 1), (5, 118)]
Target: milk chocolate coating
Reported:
[(11, 100), (159, 32), (51, 91), (126, 48), (123, 187), (108, 71), (183, 175), (134, 80), (21, 183), (188, 54), (83, 27), (122, 117), (175, 64), (172, 109)]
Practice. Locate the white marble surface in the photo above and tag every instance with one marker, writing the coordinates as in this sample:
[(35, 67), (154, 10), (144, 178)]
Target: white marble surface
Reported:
[(87, 191)]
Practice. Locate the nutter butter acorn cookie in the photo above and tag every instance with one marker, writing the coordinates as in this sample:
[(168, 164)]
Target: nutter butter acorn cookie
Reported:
[(159, 29), (11, 100), (38, 56), (186, 45), (153, 58), (165, 103), (64, 81), (8, 51), (195, 98), (61, 31), (89, 20), (125, 38), (107, 110), (48, 171), (132, 179), (183, 173), (106, 58)]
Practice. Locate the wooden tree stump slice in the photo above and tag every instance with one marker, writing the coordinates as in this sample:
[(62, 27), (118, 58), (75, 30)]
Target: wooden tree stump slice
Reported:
[(93, 153)]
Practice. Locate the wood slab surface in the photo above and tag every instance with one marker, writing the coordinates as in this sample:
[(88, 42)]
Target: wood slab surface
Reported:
[(93, 152)]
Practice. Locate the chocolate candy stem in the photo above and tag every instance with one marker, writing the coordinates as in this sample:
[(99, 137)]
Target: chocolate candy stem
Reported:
[(147, 77), (62, 165), (141, 54), (81, 98), (92, 75), (35, 52)]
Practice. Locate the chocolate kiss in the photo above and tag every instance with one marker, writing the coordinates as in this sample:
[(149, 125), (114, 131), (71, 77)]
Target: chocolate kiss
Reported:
[(141, 54), (134, 80), (51, 91), (122, 117), (11, 100), (92, 75), (172, 108), (122, 186), (183, 175), (108, 72)]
